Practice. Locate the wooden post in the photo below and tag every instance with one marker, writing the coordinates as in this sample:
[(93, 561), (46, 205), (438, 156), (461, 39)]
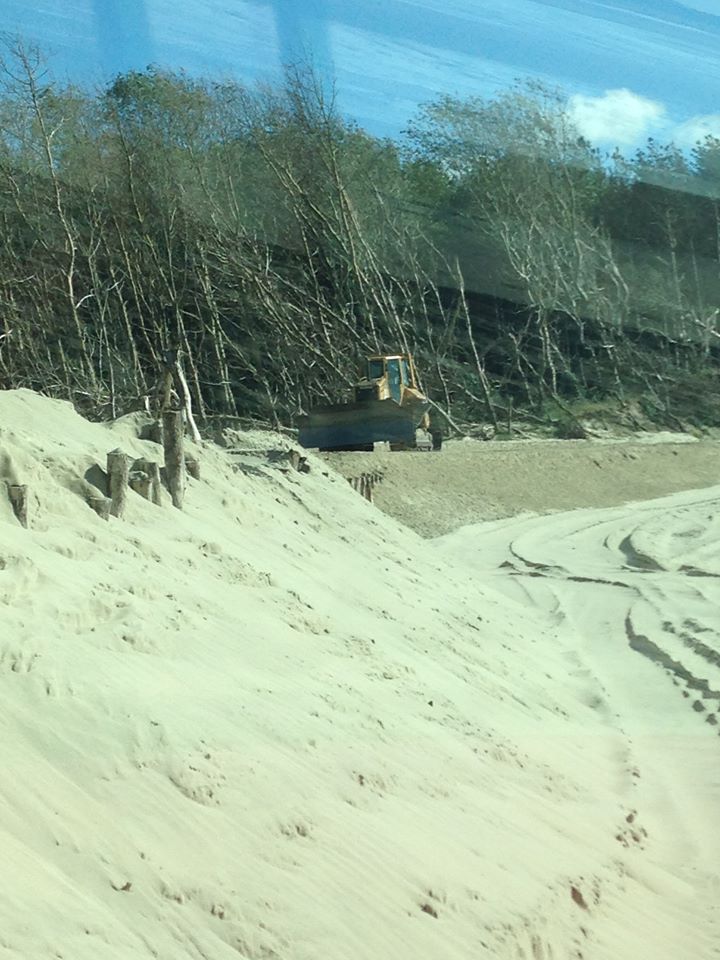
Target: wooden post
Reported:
[(173, 428), (174, 369), (141, 483), (101, 506), (364, 484), (153, 432), (193, 467), (166, 384), (18, 493), (152, 470), (368, 484), (117, 470)]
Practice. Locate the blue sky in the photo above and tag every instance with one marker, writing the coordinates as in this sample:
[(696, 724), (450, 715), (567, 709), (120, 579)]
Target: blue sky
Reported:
[(631, 68)]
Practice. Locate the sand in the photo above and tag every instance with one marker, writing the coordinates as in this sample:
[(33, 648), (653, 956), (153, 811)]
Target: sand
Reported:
[(280, 724), (637, 587), (470, 481)]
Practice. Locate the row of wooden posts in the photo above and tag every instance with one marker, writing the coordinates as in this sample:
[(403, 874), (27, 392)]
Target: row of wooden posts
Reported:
[(145, 476), (124, 473), (365, 484)]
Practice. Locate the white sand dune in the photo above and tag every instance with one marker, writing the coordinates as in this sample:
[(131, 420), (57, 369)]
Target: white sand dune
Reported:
[(278, 724)]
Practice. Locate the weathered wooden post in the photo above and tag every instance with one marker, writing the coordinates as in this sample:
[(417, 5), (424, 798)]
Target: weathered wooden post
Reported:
[(101, 506), (140, 482), (117, 469), (153, 432), (193, 467), (152, 470), (364, 484), (173, 429), (174, 369), (18, 495)]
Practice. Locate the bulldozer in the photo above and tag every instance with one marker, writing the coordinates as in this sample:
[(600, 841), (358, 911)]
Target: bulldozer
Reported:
[(389, 407)]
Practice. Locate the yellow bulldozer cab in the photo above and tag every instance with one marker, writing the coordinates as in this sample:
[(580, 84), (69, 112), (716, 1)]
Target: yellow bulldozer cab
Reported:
[(392, 373)]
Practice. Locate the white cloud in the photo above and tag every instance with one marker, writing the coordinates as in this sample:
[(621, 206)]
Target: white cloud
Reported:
[(695, 129), (620, 117)]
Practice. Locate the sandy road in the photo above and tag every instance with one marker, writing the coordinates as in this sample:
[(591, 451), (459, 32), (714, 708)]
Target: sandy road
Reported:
[(470, 481), (636, 591)]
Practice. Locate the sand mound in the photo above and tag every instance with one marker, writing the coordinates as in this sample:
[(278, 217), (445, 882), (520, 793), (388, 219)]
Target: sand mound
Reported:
[(277, 724)]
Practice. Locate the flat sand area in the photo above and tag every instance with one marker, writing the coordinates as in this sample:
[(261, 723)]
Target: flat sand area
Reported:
[(469, 481), (279, 724)]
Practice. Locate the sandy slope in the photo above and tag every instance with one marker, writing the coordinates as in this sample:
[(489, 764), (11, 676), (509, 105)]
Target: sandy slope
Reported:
[(280, 725)]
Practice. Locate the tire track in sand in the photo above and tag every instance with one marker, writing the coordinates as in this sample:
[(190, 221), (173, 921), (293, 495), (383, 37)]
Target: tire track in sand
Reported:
[(635, 588)]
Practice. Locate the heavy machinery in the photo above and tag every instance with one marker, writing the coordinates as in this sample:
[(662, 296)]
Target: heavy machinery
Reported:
[(389, 407)]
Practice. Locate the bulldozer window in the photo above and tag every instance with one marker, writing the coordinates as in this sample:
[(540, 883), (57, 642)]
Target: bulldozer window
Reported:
[(395, 379), (406, 373), (376, 369)]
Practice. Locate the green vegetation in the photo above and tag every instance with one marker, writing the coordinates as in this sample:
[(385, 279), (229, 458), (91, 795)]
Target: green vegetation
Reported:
[(275, 243)]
